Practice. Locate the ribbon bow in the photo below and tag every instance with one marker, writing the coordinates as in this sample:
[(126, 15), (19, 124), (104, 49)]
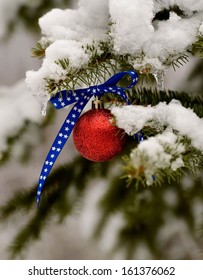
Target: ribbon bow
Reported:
[(80, 97)]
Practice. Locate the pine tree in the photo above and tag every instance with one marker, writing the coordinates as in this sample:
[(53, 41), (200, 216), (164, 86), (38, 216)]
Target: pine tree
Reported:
[(145, 184)]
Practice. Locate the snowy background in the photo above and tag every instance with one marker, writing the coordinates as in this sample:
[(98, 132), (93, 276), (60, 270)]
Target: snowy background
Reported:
[(70, 240)]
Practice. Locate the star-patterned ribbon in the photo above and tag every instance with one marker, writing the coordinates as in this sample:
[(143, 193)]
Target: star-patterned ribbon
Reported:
[(80, 97)]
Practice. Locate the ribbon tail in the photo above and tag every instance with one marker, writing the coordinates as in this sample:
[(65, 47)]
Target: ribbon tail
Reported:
[(59, 143)]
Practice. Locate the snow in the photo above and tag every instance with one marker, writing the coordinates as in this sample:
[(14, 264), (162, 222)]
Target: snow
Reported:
[(173, 115), (132, 24), (85, 24), (159, 152), (172, 37), (22, 107), (152, 42), (60, 49)]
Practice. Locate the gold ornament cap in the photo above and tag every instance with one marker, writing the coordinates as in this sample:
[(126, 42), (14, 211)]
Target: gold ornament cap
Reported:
[(97, 104)]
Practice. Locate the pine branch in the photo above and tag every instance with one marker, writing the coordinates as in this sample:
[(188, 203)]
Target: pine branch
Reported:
[(180, 61), (193, 161), (39, 49), (147, 96), (153, 97), (197, 48), (138, 173), (101, 65)]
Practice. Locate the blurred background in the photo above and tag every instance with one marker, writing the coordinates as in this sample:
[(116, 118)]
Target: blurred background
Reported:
[(25, 137)]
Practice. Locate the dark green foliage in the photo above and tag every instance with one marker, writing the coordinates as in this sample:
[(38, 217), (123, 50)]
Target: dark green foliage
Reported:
[(39, 50), (180, 61), (153, 97), (197, 49), (195, 77)]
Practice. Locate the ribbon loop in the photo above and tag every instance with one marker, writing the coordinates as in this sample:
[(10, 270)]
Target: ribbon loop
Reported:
[(117, 78), (80, 97)]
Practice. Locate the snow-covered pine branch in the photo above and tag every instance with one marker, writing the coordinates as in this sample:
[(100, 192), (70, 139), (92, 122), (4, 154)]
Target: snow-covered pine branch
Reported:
[(173, 116), (179, 129), (131, 29)]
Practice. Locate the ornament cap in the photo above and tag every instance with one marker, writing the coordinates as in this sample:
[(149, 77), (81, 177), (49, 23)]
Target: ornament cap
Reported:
[(97, 104)]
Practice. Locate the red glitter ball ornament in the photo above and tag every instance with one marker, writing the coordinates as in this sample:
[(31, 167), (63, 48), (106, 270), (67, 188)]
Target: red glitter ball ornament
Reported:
[(96, 138)]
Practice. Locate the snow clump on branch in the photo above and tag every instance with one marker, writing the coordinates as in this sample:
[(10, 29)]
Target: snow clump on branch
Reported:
[(173, 116), (166, 149)]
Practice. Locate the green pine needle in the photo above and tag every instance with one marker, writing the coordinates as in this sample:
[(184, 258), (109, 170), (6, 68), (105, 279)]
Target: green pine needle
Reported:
[(197, 48), (39, 49)]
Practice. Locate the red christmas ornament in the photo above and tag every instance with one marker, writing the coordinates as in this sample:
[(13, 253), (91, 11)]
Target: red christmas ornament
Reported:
[(96, 138)]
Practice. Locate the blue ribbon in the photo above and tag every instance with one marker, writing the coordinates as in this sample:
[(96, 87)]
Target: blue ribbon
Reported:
[(80, 97)]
